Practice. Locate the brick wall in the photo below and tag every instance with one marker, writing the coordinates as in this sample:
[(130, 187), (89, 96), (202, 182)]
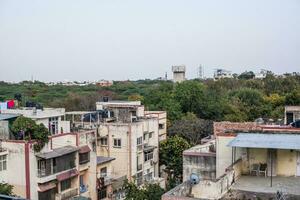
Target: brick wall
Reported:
[(225, 128)]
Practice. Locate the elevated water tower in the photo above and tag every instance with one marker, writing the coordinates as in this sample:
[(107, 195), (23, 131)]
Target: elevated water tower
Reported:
[(178, 73)]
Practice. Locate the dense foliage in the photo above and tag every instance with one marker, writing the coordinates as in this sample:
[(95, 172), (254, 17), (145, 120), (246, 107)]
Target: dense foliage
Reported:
[(6, 189), (235, 99), (147, 192), (170, 155), (26, 128)]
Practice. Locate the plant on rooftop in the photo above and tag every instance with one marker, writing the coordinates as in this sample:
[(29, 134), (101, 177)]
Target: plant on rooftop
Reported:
[(26, 129), (147, 192), (6, 189)]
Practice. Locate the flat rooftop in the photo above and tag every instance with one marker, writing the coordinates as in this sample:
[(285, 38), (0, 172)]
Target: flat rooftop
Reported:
[(38, 114), (288, 185)]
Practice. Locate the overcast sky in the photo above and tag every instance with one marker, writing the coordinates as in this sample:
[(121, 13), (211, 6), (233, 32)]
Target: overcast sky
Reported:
[(55, 40)]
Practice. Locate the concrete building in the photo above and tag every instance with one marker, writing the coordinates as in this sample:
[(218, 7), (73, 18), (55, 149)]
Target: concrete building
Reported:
[(131, 135), (222, 73), (162, 123), (291, 114), (249, 159), (52, 118), (66, 168), (178, 73)]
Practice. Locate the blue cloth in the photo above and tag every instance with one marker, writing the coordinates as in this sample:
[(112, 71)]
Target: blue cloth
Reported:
[(3, 105)]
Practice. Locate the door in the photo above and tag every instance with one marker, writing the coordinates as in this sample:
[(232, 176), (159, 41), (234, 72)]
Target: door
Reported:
[(272, 161), (289, 118), (298, 164)]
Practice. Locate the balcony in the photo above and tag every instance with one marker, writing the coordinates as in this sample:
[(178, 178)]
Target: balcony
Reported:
[(67, 194)]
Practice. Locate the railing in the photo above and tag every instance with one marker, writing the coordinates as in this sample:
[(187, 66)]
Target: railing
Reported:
[(50, 171), (67, 194), (280, 196)]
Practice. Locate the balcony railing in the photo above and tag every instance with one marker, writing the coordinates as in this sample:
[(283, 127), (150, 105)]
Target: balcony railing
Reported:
[(50, 171), (67, 194)]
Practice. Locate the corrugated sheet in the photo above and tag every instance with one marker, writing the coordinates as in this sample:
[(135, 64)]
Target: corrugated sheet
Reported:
[(57, 152), (268, 141)]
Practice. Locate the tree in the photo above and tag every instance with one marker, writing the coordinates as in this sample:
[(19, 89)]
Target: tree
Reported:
[(6, 189), (147, 192), (135, 97), (246, 75), (191, 128), (26, 128), (170, 155)]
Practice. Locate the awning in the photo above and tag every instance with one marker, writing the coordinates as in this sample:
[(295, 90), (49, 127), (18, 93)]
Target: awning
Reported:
[(67, 175), (103, 159), (57, 152), (266, 141), (46, 186), (84, 149), (148, 148)]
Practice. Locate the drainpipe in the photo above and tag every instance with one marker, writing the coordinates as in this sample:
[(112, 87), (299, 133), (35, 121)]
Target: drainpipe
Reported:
[(27, 170), (130, 156)]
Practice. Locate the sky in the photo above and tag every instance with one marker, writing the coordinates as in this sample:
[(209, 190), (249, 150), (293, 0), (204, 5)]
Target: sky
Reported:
[(57, 40)]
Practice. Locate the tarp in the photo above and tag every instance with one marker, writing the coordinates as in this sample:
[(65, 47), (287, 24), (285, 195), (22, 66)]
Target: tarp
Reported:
[(266, 141)]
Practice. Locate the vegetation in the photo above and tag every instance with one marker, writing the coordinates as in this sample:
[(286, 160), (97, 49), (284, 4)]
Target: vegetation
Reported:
[(170, 155), (236, 99), (147, 192), (6, 189), (26, 128)]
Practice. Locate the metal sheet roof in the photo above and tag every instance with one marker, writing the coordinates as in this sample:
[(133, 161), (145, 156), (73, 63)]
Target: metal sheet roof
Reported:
[(57, 152), (268, 141), (103, 159)]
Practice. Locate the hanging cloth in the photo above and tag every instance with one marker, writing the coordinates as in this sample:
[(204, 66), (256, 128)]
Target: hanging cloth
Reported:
[(10, 104), (3, 105)]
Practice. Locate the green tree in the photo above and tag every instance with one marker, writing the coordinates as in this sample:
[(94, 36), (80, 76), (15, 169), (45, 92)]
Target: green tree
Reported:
[(170, 155), (6, 189), (147, 192), (246, 75), (26, 128), (191, 128)]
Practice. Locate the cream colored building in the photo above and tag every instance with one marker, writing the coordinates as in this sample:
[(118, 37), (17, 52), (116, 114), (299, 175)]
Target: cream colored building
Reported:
[(52, 118), (66, 167), (132, 138), (249, 158)]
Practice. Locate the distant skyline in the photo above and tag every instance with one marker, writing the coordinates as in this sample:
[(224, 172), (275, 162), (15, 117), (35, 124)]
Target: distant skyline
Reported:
[(55, 40)]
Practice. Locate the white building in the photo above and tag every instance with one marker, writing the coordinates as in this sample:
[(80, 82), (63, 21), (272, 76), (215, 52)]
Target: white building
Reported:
[(52, 118), (222, 73)]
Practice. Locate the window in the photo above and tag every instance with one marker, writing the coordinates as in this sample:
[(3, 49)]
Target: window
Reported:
[(103, 172), (53, 125), (66, 184), (148, 156), (150, 134), (103, 141), (161, 126), (117, 143), (84, 157), (3, 162), (102, 193), (139, 140)]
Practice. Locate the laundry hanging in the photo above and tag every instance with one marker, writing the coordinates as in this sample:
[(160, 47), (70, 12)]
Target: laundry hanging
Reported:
[(10, 104), (3, 105)]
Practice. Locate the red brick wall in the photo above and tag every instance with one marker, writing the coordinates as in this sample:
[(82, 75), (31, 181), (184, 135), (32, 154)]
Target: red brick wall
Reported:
[(224, 128)]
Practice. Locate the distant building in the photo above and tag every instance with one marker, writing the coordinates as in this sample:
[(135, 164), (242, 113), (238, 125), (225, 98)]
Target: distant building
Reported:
[(104, 83), (222, 73), (291, 114), (261, 74), (178, 73)]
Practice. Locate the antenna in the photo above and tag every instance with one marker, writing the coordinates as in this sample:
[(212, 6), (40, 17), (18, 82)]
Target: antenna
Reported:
[(200, 72)]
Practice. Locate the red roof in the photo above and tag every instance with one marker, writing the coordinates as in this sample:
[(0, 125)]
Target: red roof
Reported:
[(84, 149), (69, 174)]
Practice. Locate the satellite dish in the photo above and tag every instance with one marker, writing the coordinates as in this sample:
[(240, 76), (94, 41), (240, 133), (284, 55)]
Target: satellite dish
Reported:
[(194, 179)]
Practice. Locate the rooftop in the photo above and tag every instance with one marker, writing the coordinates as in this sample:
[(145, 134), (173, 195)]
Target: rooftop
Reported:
[(8, 116), (36, 113)]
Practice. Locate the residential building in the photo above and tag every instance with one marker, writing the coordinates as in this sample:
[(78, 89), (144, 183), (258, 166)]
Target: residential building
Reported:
[(104, 83), (178, 73), (6, 121), (222, 73), (261, 74), (67, 167), (249, 159), (52, 118), (162, 123), (291, 114), (131, 136)]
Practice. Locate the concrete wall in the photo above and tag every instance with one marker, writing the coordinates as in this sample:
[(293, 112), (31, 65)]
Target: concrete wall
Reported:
[(4, 130), (286, 163)]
